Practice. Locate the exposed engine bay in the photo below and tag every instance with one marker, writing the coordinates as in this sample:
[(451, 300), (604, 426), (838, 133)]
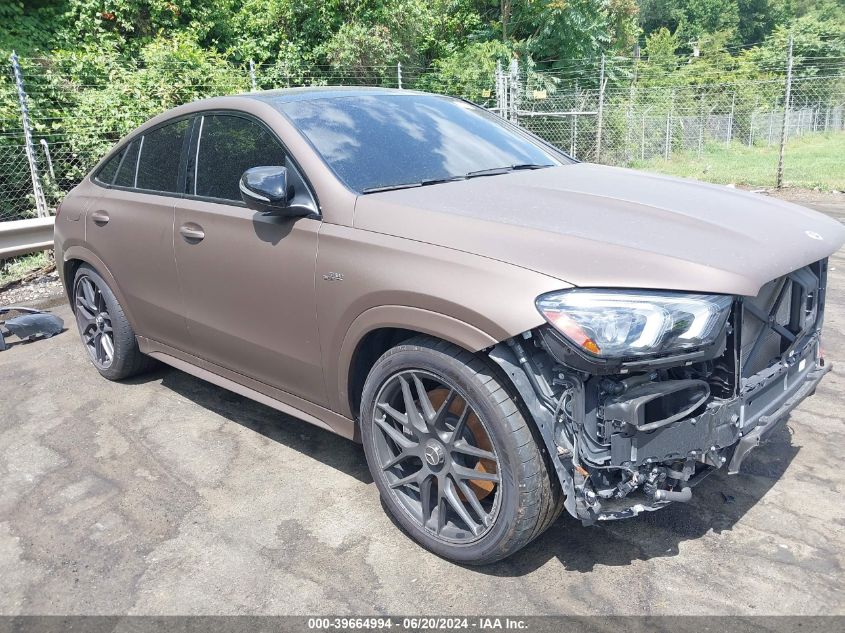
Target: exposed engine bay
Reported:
[(634, 434)]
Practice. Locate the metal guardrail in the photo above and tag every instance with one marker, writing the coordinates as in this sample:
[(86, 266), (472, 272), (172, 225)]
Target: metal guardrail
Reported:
[(20, 237)]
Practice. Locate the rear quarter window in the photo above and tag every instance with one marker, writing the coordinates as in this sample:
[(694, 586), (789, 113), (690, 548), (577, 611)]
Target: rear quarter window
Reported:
[(107, 172), (126, 172)]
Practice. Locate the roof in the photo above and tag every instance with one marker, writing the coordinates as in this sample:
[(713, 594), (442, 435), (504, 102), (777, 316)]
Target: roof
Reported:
[(309, 93)]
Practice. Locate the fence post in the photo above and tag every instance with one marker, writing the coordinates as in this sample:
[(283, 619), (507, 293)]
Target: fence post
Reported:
[(37, 190), (642, 137), (399, 74), (513, 89), (771, 126), (786, 98), (600, 121), (252, 81), (751, 123), (497, 83), (46, 147), (574, 135), (667, 151), (729, 135), (629, 113)]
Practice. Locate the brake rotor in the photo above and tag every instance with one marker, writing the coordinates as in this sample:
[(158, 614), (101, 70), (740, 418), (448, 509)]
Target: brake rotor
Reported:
[(481, 488)]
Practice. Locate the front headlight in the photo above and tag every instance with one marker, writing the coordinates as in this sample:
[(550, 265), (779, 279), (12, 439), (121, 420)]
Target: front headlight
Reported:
[(633, 323)]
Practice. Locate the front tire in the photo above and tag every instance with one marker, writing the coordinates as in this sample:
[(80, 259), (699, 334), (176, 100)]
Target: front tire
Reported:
[(104, 329), (454, 459)]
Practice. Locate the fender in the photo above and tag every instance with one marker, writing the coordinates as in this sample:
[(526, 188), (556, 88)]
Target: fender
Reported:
[(83, 254), (394, 316)]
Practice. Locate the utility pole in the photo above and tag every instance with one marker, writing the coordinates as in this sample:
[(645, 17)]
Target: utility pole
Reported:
[(38, 192), (786, 99), (600, 121)]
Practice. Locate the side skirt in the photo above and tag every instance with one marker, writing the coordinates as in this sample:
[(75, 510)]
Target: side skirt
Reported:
[(249, 388)]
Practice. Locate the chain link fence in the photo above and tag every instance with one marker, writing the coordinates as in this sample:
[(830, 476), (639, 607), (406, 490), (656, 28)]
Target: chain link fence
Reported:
[(58, 116), (655, 122)]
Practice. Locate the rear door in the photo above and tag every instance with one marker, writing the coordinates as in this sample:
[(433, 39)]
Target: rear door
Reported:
[(247, 279), (130, 227)]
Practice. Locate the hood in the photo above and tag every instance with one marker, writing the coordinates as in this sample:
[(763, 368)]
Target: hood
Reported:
[(590, 225)]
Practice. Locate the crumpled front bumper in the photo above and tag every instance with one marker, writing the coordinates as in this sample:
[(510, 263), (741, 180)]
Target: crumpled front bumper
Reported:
[(779, 397), (720, 434), (763, 405)]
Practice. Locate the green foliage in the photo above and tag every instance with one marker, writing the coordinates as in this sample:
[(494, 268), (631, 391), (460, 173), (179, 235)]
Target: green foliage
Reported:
[(468, 72), (560, 30), (813, 163), (22, 24), (97, 68), (365, 52), (369, 46), (12, 270)]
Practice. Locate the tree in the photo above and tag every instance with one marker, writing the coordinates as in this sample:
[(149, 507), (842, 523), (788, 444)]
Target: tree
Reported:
[(561, 30), (690, 19)]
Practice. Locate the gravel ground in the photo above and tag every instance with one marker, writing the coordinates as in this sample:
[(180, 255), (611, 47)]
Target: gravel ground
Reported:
[(43, 288), (167, 495)]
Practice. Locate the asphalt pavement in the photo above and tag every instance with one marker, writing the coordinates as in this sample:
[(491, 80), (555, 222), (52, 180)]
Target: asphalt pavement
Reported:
[(168, 495)]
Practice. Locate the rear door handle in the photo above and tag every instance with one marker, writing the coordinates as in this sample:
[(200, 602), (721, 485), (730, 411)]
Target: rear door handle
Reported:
[(191, 233), (100, 218)]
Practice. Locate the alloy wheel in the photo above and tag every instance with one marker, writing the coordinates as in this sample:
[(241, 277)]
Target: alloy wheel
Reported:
[(436, 456), (94, 321)]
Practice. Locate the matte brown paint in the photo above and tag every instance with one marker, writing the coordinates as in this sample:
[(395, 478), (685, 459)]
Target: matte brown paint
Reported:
[(258, 307)]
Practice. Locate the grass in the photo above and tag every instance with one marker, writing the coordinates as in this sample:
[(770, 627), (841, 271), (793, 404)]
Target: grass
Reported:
[(18, 267), (812, 162)]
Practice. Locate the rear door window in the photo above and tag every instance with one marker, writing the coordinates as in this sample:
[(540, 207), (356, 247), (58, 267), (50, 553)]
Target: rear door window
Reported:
[(160, 157), (228, 146)]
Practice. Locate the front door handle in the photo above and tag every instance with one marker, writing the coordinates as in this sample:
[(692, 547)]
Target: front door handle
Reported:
[(192, 233), (100, 218)]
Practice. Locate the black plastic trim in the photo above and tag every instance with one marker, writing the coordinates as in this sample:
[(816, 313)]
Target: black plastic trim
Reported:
[(93, 175), (567, 354), (288, 154), (191, 138)]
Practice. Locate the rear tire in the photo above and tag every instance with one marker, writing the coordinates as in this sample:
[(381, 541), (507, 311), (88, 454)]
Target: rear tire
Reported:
[(105, 331), (419, 466)]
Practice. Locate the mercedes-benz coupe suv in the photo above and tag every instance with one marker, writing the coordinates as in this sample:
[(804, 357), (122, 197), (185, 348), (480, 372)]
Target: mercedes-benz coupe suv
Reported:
[(508, 332)]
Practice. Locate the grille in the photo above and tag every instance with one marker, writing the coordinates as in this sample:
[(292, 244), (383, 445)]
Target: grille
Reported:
[(776, 321)]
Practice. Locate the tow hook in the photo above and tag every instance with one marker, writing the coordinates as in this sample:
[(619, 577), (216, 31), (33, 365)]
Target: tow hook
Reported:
[(683, 495)]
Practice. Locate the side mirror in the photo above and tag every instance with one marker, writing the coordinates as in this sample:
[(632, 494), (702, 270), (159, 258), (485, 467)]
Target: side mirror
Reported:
[(265, 189)]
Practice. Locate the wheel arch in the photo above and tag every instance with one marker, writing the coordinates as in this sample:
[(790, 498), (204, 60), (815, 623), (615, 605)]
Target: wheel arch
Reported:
[(73, 258), (378, 329)]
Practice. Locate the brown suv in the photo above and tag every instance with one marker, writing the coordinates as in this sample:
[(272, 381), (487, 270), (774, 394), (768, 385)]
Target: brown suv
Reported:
[(507, 331)]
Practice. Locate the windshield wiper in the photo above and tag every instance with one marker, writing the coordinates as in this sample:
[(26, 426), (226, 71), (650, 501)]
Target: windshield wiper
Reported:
[(495, 171), (409, 185)]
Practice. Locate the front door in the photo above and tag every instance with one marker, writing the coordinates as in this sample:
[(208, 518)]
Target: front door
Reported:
[(247, 280)]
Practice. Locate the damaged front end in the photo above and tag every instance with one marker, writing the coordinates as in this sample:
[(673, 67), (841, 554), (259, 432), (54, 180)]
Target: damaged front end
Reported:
[(634, 432)]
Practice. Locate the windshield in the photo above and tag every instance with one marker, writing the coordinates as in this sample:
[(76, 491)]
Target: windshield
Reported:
[(377, 142)]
